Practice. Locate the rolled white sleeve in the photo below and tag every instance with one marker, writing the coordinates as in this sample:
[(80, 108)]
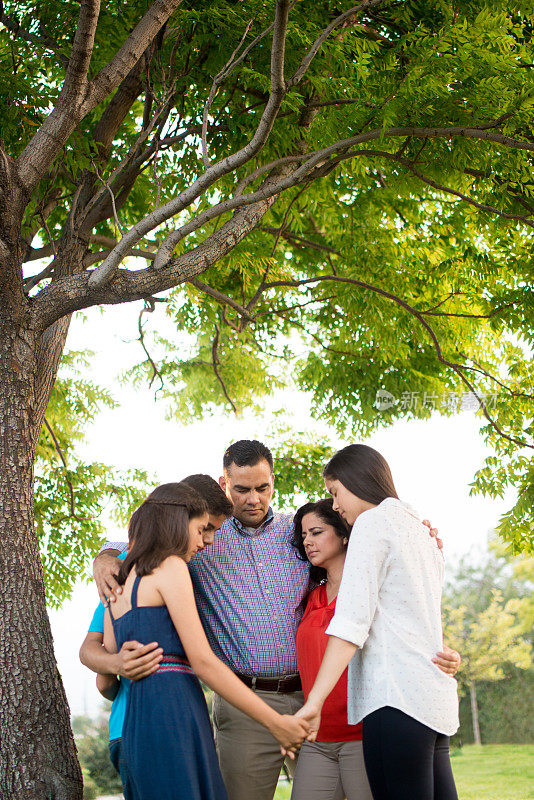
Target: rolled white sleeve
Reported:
[(363, 574)]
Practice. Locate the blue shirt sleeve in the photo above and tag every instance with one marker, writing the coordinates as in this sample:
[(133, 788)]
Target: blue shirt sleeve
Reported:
[(97, 623)]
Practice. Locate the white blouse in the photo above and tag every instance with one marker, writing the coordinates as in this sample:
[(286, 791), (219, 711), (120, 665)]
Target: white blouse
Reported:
[(389, 604)]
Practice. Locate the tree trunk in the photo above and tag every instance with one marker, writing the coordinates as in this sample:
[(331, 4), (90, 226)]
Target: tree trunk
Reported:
[(37, 752), (474, 712)]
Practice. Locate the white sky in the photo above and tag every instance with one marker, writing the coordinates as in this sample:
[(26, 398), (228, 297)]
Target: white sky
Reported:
[(433, 462)]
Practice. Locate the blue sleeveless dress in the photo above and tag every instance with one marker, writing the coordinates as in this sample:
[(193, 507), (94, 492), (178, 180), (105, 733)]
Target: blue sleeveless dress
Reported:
[(167, 740)]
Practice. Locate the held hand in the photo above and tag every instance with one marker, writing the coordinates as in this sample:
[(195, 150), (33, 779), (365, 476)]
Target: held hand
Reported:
[(136, 661), (105, 571), (434, 533), (448, 660), (290, 732), (312, 715)]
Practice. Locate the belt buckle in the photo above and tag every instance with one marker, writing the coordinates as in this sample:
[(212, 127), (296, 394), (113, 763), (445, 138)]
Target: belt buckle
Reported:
[(254, 680)]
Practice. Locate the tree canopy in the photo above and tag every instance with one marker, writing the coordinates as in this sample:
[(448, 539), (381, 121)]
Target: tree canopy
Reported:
[(488, 615), (341, 197)]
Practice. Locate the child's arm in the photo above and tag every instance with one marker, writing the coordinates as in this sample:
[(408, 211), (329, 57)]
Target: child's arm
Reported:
[(109, 635), (107, 682), (175, 587), (108, 686)]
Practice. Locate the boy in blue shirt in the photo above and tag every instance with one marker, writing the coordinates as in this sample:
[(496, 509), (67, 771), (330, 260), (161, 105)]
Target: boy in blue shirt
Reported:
[(118, 694)]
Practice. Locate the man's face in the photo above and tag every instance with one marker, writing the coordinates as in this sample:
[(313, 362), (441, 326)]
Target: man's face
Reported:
[(250, 489), (214, 523)]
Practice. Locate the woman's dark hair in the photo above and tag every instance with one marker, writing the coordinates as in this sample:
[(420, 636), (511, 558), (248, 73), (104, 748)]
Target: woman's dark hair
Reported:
[(160, 527), (324, 510), (363, 471)]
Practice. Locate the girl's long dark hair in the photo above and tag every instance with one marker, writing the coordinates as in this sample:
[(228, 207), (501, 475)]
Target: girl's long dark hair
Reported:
[(363, 471), (160, 527), (324, 510)]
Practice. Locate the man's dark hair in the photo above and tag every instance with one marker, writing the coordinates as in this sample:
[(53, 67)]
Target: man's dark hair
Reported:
[(247, 453), (324, 510), (211, 492), (160, 527), (363, 471)]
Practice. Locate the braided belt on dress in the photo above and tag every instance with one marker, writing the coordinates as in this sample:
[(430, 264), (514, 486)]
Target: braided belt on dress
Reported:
[(174, 664)]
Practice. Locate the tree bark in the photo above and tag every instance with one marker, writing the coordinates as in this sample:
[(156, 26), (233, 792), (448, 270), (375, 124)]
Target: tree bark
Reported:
[(474, 712), (37, 751)]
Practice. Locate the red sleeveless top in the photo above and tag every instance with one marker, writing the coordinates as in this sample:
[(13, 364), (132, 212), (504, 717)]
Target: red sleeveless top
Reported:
[(311, 644)]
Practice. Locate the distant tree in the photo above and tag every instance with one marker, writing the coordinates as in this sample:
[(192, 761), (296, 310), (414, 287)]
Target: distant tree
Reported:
[(489, 626), (90, 788), (92, 744), (477, 575)]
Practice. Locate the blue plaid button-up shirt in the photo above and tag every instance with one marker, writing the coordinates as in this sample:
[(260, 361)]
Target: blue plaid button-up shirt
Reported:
[(249, 585)]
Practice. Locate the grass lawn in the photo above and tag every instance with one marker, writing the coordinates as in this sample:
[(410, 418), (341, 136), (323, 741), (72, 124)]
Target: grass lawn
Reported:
[(494, 772), (490, 772)]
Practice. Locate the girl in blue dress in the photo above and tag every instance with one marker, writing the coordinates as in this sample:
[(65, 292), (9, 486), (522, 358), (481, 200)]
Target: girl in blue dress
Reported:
[(167, 741)]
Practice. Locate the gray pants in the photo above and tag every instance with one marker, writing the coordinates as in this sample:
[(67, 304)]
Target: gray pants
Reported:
[(331, 771), (249, 756)]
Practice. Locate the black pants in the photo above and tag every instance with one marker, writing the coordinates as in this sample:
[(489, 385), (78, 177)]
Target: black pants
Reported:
[(404, 759)]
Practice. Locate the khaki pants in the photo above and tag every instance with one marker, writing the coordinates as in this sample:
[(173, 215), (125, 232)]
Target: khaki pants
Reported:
[(331, 771), (249, 756)]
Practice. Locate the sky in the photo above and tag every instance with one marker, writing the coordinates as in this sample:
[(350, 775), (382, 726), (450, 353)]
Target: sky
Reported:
[(433, 462)]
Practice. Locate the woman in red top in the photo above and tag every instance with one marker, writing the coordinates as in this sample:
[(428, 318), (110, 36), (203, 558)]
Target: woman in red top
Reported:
[(332, 767)]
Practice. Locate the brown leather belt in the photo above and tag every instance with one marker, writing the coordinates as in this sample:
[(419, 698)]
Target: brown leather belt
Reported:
[(283, 685)]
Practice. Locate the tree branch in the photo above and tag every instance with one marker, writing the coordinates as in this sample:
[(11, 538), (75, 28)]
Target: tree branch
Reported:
[(220, 78), (73, 293), (131, 51), (148, 308), (494, 313), (128, 287), (94, 258), (312, 52), (13, 25), (60, 453), (105, 272), (480, 369), (127, 170), (215, 362), (448, 190), (457, 368), (116, 110), (222, 298), (34, 280), (258, 293), (317, 339), (313, 160), (47, 142), (299, 240), (77, 97)]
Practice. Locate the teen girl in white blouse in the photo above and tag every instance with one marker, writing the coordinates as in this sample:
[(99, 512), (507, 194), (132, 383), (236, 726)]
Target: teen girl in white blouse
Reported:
[(387, 624)]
